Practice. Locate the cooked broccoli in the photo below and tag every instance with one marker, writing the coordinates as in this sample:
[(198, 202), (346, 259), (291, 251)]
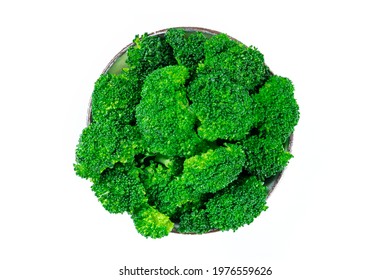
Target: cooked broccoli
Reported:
[(233, 61), (188, 49), (265, 157), (115, 97), (202, 174), (188, 135), (119, 189), (213, 170), (163, 115), (220, 92), (196, 221), (237, 205), (279, 108), (224, 108), (232, 207), (102, 144), (151, 223), (147, 54), (159, 174)]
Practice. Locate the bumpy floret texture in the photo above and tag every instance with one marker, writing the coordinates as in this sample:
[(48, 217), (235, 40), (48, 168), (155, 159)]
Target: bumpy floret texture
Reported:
[(188, 49), (188, 135)]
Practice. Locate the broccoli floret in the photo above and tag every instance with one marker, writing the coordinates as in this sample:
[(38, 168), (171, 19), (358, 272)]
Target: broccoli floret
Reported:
[(173, 196), (187, 49), (213, 170), (158, 175), (279, 108), (115, 97), (102, 144), (234, 61), (220, 93), (205, 173), (223, 108), (147, 54), (232, 207), (119, 189), (196, 221), (237, 205), (151, 223), (218, 44), (265, 157), (163, 115)]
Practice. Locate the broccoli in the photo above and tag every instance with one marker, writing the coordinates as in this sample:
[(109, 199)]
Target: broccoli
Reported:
[(279, 108), (234, 61), (158, 175), (188, 135), (103, 144), (204, 173), (115, 97), (232, 207), (196, 221), (151, 223), (221, 91), (187, 49), (119, 189), (163, 115), (223, 108), (265, 157), (147, 54), (213, 170), (237, 205)]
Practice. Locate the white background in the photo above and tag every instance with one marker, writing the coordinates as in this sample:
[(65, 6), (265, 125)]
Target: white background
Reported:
[(328, 217)]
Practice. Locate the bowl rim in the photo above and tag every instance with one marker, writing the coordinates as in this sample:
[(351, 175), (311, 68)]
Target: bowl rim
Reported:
[(288, 145)]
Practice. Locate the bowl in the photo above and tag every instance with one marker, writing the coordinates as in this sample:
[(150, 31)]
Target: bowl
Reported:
[(118, 62)]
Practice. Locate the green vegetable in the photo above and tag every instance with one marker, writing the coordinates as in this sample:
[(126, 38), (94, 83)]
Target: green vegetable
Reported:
[(163, 115), (119, 189), (279, 108), (103, 144), (232, 207), (148, 54), (187, 134), (187, 49), (115, 98)]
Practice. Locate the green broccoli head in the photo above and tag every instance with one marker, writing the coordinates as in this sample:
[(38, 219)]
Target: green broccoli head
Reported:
[(202, 174), (163, 115), (187, 49), (230, 208), (115, 97), (102, 144), (227, 58), (158, 175), (237, 205), (265, 157), (213, 170), (119, 189), (196, 221), (151, 223), (224, 108), (280, 110), (147, 54)]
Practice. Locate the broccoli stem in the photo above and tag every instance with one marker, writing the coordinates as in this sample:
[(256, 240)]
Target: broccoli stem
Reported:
[(164, 160)]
